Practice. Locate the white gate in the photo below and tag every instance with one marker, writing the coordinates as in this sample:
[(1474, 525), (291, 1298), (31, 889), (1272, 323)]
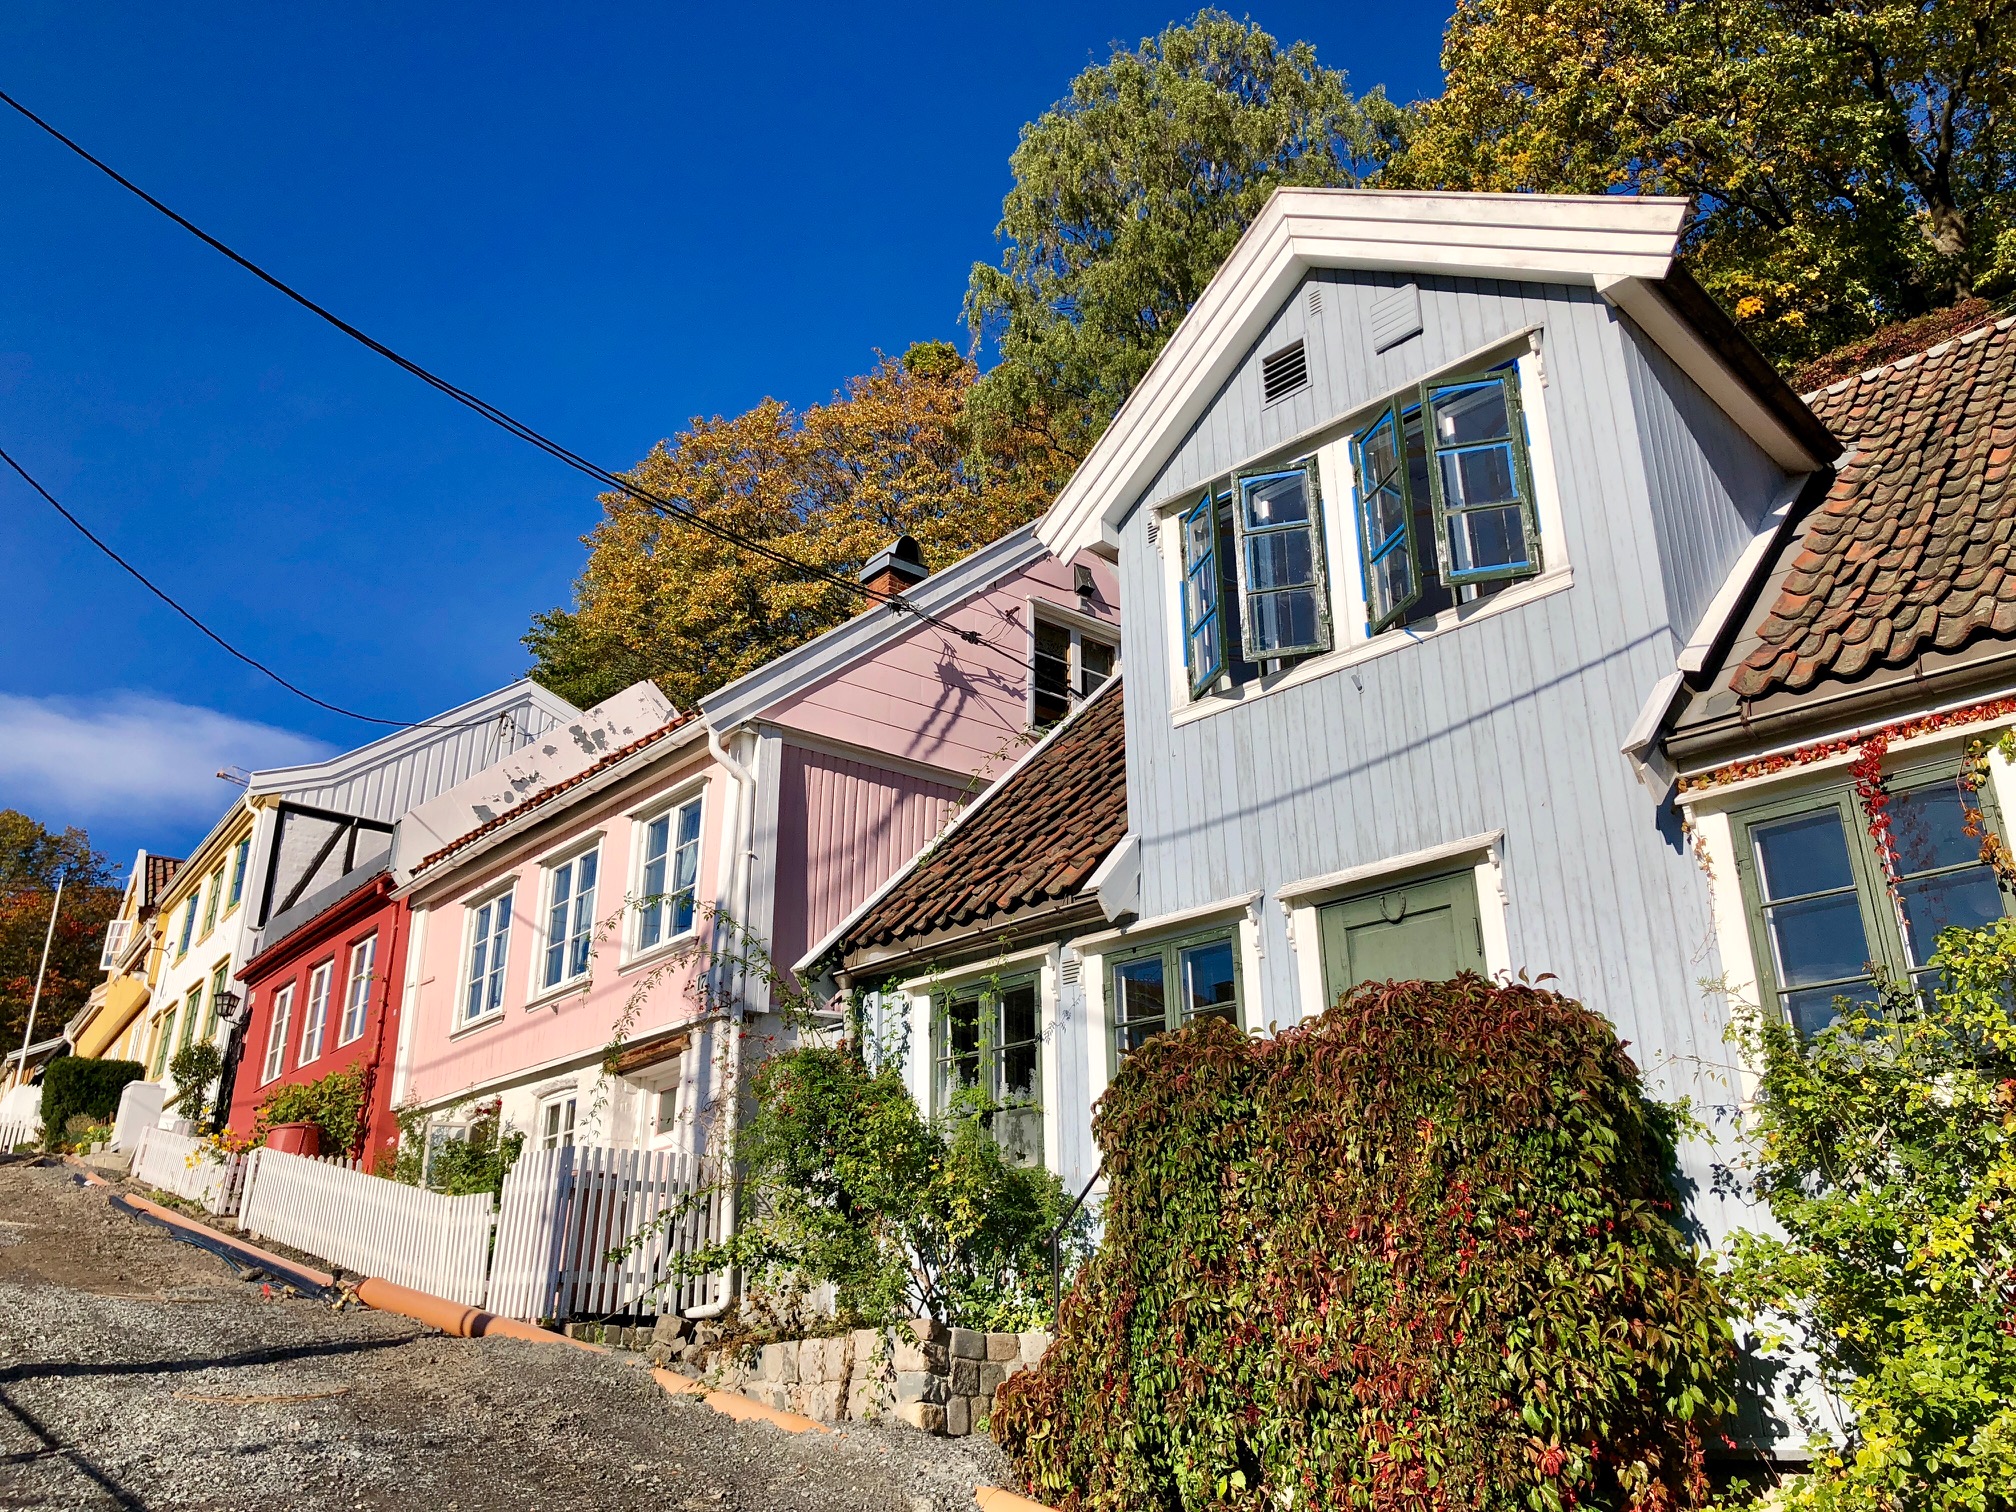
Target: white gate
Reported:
[(185, 1166), (564, 1210), (402, 1234)]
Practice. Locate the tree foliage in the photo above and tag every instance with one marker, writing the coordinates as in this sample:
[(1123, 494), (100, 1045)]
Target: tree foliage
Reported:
[(1852, 164), (1886, 1149), (892, 455), (1129, 193), (32, 857), (77, 1088), (1420, 1253)]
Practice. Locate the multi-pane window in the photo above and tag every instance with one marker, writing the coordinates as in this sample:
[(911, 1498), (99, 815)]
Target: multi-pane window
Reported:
[(1067, 666), (276, 1034), (220, 980), (215, 890), (570, 919), (556, 1123), (164, 1045), (671, 856), (1826, 921), (1444, 499), (357, 988), (316, 1021), (489, 945), (1284, 607), (239, 858), (989, 1061), (188, 925), (192, 1015), (1166, 986)]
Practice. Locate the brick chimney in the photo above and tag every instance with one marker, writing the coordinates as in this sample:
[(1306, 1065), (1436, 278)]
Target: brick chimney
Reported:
[(895, 569)]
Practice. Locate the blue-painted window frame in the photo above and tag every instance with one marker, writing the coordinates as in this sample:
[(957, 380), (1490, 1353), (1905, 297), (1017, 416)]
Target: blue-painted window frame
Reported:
[(1401, 540), (1507, 380), (1244, 535), (1202, 620)]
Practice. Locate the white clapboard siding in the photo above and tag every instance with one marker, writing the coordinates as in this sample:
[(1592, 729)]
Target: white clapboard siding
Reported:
[(370, 1225), (184, 1165), (564, 1210)]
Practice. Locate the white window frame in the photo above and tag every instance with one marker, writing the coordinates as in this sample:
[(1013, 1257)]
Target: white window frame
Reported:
[(567, 1105), (275, 1064), (1081, 628), (357, 991), (549, 871), (316, 1020), (472, 911), (116, 934), (1330, 447), (667, 807)]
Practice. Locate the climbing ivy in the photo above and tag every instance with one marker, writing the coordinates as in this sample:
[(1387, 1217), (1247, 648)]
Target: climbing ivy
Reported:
[(1419, 1253)]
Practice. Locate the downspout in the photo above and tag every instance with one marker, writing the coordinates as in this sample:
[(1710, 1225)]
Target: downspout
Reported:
[(740, 833)]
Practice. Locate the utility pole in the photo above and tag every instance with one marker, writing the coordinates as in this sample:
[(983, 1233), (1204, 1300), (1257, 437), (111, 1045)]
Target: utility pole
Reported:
[(35, 1002)]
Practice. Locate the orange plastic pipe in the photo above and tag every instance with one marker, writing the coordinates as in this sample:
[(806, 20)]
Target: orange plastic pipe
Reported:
[(456, 1318), (994, 1499), (735, 1405)]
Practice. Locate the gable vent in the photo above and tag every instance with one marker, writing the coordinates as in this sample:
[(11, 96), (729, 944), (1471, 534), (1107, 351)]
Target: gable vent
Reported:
[(1284, 372), (1315, 300)]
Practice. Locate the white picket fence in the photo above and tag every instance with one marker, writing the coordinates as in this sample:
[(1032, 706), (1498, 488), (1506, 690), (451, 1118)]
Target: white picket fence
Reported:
[(184, 1165), (19, 1131), (402, 1234), (564, 1211)]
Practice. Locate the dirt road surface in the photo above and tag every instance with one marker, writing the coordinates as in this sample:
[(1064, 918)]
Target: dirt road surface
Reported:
[(136, 1372)]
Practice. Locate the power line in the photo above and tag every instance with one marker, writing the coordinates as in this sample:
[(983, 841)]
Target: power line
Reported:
[(678, 509)]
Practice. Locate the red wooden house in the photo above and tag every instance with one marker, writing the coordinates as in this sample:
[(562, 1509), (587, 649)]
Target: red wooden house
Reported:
[(323, 994)]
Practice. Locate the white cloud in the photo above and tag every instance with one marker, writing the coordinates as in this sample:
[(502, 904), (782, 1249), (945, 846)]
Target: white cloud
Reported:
[(130, 756)]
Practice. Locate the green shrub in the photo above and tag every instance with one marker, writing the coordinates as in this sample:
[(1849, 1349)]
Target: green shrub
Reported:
[(479, 1160), (333, 1103), (195, 1067), (1886, 1149), (74, 1085), (1420, 1253)]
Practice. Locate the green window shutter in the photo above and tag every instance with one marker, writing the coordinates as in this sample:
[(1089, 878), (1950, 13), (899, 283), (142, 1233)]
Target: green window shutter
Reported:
[(1277, 526), (1481, 480), (1417, 931), (1385, 522), (1203, 621)]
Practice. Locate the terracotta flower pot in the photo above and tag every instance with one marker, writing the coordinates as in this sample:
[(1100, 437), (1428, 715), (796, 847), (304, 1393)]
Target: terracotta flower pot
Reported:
[(295, 1138)]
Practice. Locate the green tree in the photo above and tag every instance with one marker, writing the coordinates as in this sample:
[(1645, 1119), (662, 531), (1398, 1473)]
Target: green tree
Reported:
[(1130, 192), (1886, 1149), (32, 857), (1851, 164), (891, 455)]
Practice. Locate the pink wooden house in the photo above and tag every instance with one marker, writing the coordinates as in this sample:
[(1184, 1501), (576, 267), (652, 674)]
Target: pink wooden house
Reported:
[(557, 898)]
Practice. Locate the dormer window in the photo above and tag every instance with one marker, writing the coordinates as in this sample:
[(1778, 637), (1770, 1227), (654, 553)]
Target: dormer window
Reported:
[(1068, 664)]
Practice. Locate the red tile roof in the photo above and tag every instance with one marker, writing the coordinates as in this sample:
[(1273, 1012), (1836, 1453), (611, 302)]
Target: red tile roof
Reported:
[(1910, 550), (1036, 838), (546, 795), (160, 872)]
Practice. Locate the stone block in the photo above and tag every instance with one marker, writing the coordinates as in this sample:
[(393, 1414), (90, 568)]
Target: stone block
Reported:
[(1002, 1347), (991, 1377), (692, 1354), (919, 1386), (799, 1399), (669, 1330), (925, 1415), (907, 1356), (922, 1331), (823, 1402), (832, 1354), (965, 1379), (1033, 1346), (780, 1363), (958, 1417), (966, 1344), (864, 1341), (659, 1354), (1012, 1369)]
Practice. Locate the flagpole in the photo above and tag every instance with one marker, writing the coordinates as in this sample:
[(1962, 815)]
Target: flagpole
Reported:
[(27, 1039)]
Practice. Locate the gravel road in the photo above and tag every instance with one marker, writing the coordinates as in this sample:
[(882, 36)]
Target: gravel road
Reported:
[(139, 1372)]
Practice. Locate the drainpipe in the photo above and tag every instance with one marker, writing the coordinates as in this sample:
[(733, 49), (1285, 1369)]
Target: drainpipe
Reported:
[(740, 833)]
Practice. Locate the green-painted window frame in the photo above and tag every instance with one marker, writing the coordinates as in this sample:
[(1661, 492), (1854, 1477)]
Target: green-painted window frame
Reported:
[(1365, 482), (220, 980), (990, 1049), (188, 937), (191, 1012), (1170, 952), (240, 856), (1245, 535), (1882, 923), (163, 1046), (1201, 572), (214, 895), (1507, 379)]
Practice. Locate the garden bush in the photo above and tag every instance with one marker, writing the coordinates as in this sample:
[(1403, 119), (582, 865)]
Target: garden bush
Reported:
[(1420, 1253), (73, 1086), (333, 1103)]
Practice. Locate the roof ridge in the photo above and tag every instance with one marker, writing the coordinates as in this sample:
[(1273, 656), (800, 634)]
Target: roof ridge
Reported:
[(1938, 348)]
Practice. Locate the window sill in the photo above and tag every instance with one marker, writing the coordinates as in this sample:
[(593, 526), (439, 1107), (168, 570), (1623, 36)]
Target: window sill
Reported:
[(1385, 643), (471, 1026), (656, 954), (552, 997)]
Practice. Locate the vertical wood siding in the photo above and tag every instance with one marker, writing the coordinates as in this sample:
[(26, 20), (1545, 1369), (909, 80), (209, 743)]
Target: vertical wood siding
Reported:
[(844, 827), (1512, 723)]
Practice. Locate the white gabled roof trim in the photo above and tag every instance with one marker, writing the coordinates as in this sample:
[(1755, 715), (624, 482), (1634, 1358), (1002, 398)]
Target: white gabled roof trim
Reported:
[(1591, 240)]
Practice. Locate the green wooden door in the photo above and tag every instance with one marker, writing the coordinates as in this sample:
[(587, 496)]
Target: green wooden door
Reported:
[(1423, 930)]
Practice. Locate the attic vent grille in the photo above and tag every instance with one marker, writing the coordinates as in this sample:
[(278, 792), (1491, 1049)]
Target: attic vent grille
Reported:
[(1284, 372), (1069, 974), (1154, 529), (1315, 300)]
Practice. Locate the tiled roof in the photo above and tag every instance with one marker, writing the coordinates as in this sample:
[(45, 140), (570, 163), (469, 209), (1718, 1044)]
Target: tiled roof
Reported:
[(546, 795), (1034, 839), (1910, 550), (160, 872)]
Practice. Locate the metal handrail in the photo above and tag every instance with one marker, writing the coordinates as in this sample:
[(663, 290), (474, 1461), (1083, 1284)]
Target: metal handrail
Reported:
[(1056, 1246)]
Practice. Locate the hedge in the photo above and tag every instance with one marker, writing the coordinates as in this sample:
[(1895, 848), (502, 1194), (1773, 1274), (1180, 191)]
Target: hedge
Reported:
[(1422, 1252), (73, 1085)]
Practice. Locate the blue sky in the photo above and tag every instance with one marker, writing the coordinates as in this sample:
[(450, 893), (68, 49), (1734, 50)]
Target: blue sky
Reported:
[(605, 219)]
